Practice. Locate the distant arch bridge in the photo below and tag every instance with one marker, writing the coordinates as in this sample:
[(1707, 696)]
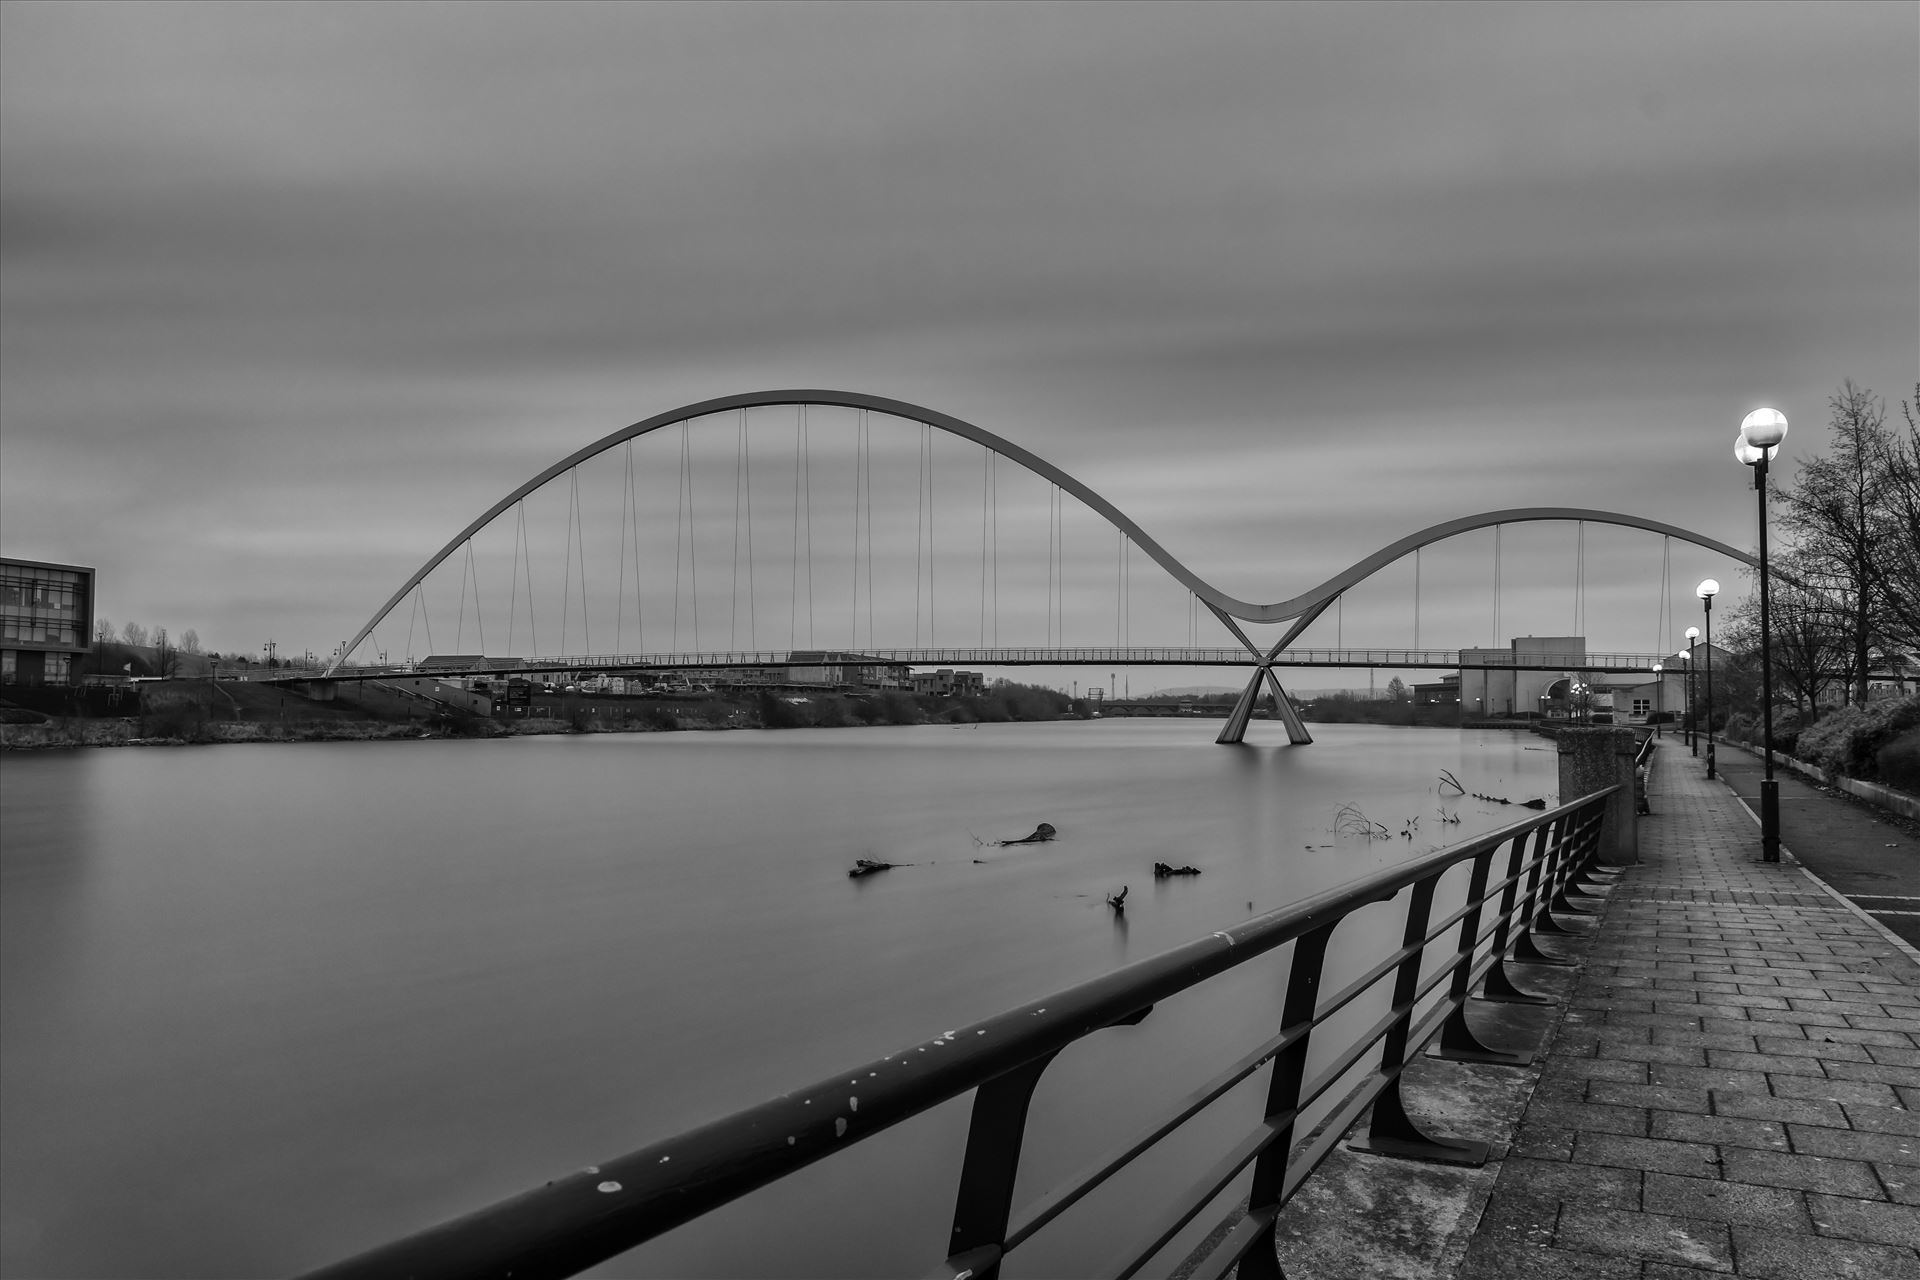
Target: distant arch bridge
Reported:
[(1301, 610)]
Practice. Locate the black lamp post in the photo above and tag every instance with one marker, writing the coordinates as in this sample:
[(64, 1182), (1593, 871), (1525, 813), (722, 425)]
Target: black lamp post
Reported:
[(1693, 698), (1707, 590), (1659, 681), (1761, 434)]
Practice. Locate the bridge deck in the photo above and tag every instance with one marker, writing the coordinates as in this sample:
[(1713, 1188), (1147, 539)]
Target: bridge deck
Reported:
[(1399, 659)]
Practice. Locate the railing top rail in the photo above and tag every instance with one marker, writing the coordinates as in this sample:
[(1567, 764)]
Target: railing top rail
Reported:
[(587, 1216)]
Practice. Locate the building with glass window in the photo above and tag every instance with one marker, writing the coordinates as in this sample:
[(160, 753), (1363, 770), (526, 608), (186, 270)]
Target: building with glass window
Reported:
[(46, 620)]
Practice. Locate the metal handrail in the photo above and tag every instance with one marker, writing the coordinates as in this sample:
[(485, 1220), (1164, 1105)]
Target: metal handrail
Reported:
[(589, 1216)]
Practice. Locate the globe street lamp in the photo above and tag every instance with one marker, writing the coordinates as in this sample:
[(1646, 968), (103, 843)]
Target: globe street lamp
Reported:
[(1760, 437), (1707, 590), (1693, 704), (1658, 668)]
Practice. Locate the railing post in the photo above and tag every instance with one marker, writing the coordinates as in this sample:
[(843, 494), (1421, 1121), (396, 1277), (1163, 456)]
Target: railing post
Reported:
[(1458, 1043), (984, 1203), (1262, 1262), (1391, 1131), (1499, 986)]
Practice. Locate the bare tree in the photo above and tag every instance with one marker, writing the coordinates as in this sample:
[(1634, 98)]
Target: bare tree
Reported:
[(134, 634), (103, 630), (1899, 559), (1809, 635), (166, 658), (1836, 513), (190, 641)]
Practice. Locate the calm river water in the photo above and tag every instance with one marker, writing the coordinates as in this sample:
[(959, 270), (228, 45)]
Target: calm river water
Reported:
[(264, 1006)]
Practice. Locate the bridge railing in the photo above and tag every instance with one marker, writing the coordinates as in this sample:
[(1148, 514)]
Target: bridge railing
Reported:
[(989, 657), (1518, 877)]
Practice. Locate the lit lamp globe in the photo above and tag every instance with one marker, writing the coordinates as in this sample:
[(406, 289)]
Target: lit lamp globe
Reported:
[(1707, 590), (1693, 633), (1764, 429)]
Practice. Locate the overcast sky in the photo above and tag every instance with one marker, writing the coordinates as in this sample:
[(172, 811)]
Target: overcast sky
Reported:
[(288, 294)]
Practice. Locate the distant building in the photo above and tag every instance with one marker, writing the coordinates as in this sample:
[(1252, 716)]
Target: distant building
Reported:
[(948, 683), (1488, 692), (1444, 692), (831, 669), (46, 620)]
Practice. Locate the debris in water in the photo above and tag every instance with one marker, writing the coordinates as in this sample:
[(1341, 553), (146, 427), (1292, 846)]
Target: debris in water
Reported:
[(867, 866), (1161, 871), (1041, 834), (1118, 901), (1448, 780), (1349, 821)]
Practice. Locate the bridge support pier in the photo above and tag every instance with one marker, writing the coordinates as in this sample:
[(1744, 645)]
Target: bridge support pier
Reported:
[(1236, 727)]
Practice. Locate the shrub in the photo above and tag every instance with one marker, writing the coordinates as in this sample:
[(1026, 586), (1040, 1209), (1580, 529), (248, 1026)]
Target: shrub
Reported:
[(1848, 741), (1899, 762)]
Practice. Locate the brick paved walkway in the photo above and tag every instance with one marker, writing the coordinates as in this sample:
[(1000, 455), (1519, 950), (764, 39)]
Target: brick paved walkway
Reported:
[(1736, 1086)]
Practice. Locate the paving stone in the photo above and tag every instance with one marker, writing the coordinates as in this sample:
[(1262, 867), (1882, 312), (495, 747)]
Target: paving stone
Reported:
[(1766, 1106), (1595, 1069), (1624, 1152), (1613, 1046), (1869, 1092), (1873, 1220), (1793, 1018), (1878, 1120), (1779, 1255), (1883, 1072), (1620, 1094), (1798, 1064), (1803, 1172), (1500, 1259), (1587, 1118), (1736, 1042), (1816, 1042), (1859, 1035), (1725, 1131), (1652, 1237), (1676, 1075), (1724, 1201), (1853, 1144), (1890, 1054)]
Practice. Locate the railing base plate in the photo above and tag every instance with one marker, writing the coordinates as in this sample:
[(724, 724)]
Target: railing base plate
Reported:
[(1432, 1150)]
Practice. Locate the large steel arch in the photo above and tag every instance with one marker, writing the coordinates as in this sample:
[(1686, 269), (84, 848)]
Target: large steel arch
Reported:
[(1304, 606)]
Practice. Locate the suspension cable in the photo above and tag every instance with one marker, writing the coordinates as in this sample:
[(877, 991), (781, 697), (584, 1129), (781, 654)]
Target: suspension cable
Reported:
[(460, 625), (733, 562), (746, 467), (867, 422), (1665, 619), (1580, 580), (853, 613), (986, 455), (679, 516), (1416, 597), (919, 511), (1496, 586), (620, 593), (806, 439)]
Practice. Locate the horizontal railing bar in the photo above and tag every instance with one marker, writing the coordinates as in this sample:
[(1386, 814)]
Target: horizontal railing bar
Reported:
[(1199, 1191), (1226, 1255), (1063, 1197), (586, 1217)]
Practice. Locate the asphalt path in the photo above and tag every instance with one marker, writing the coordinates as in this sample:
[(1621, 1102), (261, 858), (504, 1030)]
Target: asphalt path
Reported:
[(1861, 850)]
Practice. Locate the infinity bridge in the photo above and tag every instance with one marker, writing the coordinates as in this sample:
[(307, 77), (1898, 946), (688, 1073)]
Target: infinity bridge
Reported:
[(803, 516)]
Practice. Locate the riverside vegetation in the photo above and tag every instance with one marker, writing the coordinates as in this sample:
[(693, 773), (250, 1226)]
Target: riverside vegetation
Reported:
[(205, 711)]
